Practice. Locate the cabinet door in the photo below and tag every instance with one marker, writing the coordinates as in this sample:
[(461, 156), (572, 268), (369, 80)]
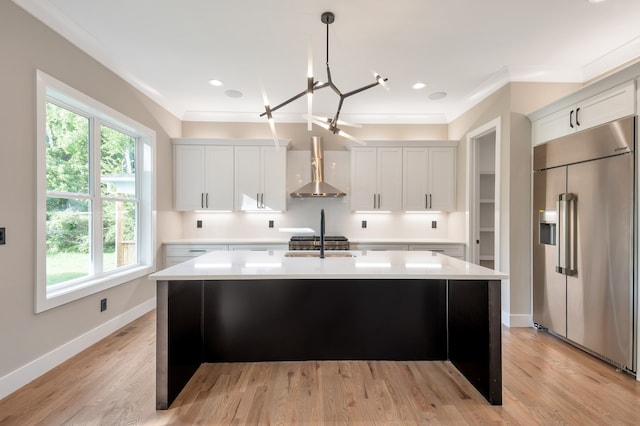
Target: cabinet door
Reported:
[(608, 106), (415, 179), (441, 168), (189, 169), (219, 178), (363, 178), (274, 179), (389, 171), (247, 178), (553, 126)]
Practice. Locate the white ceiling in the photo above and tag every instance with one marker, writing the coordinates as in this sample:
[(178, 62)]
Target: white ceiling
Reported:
[(468, 48)]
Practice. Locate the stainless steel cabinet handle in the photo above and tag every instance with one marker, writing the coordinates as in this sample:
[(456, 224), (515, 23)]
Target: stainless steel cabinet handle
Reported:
[(257, 200), (374, 201), (207, 200), (197, 251), (430, 201), (262, 200), (577, 119), (378, 200), (202, 200), (426, 201)]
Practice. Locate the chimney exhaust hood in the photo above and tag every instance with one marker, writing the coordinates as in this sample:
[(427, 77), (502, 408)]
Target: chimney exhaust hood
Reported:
[(317, 187)]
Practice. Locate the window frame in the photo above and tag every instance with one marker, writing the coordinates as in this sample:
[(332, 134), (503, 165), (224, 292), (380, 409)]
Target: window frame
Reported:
[(50, 89)]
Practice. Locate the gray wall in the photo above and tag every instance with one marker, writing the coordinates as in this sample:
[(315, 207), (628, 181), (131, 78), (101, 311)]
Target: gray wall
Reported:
[(511, 103), (27, 45)]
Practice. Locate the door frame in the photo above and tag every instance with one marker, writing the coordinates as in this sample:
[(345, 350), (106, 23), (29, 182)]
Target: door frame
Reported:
[(473, 181)]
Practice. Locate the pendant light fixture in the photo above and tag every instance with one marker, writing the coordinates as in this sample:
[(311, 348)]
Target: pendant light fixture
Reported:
[(313, 85)]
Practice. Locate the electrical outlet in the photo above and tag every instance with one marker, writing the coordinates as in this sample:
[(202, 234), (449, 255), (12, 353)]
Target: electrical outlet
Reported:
[(199, 224), (3, 236), (364, 223), (103, 304), (270, 224), (434, 224)]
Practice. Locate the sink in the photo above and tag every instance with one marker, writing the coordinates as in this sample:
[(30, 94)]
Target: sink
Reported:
[(317, 254)]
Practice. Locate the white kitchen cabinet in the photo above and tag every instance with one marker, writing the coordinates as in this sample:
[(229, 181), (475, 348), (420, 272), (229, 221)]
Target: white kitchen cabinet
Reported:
[(178, 253), (453, 250), (376, 179), (258, 246), (260, 178), (429, 178), (203, 177), (379, 246), (602, 108)]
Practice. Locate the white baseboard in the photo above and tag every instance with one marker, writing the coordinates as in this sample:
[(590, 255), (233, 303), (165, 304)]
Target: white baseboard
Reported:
[(27, 373), (516, 320)]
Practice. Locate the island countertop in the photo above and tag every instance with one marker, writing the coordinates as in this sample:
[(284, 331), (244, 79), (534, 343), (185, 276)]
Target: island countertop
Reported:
[(275, 264)]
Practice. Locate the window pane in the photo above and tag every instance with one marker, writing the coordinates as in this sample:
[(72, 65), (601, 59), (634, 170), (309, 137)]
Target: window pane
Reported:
[(117, 156), (119, 234), (68, 239), (67, 142)]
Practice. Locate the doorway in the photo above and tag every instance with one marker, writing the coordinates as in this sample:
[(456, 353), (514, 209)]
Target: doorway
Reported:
[(483, 183)]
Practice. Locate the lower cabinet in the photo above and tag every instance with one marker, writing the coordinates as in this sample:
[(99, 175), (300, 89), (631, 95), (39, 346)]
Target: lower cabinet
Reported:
[(452, 250), (378, 247), (258, 247), (178, 253)]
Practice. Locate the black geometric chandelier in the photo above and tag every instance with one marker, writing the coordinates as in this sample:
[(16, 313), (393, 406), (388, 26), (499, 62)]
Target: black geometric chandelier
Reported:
[(330, 124)]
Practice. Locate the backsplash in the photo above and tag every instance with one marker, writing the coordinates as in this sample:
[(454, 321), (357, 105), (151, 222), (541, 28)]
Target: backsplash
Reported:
[(340, 220)]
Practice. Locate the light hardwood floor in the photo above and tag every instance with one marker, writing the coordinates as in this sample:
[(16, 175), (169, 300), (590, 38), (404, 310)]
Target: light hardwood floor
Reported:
[(113, 383)]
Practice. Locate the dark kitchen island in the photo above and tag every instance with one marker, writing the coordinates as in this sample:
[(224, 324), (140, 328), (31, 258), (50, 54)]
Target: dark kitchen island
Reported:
[(293, 306)]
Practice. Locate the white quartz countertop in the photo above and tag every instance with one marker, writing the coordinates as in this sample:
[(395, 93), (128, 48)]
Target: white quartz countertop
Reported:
[(285, 240), (256, 265), (229, 240)]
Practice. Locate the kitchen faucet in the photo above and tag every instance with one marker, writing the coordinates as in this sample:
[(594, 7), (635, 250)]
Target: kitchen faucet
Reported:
[(322, 234)]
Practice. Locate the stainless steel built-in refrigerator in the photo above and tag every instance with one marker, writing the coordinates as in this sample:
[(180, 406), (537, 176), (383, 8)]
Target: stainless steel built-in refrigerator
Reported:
[(583, 240)]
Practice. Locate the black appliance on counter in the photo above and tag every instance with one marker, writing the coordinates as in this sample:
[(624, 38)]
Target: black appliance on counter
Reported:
[(312, 242)]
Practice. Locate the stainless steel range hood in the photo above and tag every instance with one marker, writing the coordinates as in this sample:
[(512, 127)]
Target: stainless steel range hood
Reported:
[(317, 187)]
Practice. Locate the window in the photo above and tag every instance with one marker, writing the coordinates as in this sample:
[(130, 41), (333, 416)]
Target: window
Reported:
[(95, 196)]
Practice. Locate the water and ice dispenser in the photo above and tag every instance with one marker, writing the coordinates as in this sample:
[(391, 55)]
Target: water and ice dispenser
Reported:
[(547, 221)]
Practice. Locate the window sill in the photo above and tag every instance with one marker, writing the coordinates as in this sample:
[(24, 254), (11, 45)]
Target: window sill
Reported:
[(69, 293)]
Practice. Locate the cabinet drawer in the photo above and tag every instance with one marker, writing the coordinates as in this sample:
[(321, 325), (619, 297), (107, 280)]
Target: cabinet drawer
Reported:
[(258, 247), (379, 247), (192, 250), (453, 250)]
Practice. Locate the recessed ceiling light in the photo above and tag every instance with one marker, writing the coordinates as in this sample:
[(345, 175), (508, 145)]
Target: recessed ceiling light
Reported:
[(419, 85), (233, 93), (596, 1), (437, 95), (216, 83)]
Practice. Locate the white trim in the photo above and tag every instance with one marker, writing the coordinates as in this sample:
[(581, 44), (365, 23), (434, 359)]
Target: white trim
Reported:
[(47, 86), (493, 125), (34, 369)]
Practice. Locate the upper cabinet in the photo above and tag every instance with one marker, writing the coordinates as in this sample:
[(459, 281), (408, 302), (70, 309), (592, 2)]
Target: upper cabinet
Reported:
[(404, 175), (202, 177), (376, 179), (260, 178), (606, 106), (227, 175), (429, 178)]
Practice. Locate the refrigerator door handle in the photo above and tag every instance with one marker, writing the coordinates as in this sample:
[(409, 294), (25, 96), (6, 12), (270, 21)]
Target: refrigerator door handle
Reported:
[(572, 234), (566, 207), (561, 207)]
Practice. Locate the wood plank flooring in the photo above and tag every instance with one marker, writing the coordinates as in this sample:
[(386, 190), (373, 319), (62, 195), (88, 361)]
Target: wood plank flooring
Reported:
[(113, 383)]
